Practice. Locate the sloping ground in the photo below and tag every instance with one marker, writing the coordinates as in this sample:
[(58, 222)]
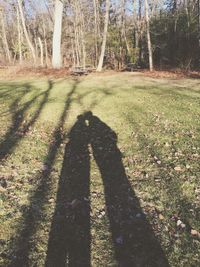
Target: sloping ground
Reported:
[(116, 186)]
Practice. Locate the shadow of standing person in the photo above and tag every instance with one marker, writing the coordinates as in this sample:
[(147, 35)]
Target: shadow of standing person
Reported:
[(69, 238), (133, 239)]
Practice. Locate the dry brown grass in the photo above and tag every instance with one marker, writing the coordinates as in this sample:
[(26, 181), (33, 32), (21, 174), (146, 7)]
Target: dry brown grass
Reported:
[(15, 72)]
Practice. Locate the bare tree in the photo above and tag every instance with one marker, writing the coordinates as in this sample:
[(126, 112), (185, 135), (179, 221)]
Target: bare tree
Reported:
[(57, 34), (41, 51), (79, 32), (96, 29), (148, 36), (123, 24), (103, 47), (31, 47), (19, 36), (199, 20), (4, 37)]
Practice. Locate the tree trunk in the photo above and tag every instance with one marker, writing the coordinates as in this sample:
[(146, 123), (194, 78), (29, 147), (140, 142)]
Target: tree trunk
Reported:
[(103, 47), (26, 32), (4, 37), (47, 61), (123, 25), (148, 36), (45, 44), (36, 46), (199, 21), (76, 40), (73, 53), (57, 33), (139, 29), (80, 25), (96, 30), (41, 51), (83, 46), (19, 36)]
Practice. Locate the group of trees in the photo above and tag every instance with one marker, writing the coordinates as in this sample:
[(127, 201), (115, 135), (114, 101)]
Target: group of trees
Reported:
[(110, 33)]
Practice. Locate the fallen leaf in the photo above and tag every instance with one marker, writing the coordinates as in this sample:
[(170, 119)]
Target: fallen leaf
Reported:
[(182, 225), (2, 189), (161, 217), (179, 222), (178, 168), (195, 233), (51, 200)]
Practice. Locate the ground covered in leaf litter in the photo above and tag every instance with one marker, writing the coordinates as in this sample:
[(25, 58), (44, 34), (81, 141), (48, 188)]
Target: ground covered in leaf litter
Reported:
[(123, 179)]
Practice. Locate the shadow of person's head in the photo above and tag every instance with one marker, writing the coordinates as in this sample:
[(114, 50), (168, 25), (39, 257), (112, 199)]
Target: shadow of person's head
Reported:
[(100, 131), (79, 133)]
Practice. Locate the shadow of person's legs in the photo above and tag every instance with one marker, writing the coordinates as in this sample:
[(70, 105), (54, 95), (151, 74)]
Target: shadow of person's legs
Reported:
[(69, 239), (133, 238)]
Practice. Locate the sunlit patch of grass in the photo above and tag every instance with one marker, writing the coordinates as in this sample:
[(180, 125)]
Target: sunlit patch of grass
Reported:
[(157, 124)]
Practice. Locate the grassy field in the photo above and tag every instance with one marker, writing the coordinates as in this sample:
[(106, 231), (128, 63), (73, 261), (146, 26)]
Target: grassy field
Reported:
[(116, 187)]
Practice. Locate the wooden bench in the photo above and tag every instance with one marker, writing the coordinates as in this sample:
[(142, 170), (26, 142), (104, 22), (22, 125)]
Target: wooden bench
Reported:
[(78, 71), (82, 71), (90, 68), (132, 67)]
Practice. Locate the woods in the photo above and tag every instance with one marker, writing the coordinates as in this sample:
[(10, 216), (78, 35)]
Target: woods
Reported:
[(104, 34)]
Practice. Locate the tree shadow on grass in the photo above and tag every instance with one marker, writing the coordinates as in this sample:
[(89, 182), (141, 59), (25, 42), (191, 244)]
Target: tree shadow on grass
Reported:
[(25, 244), (69, 239), (10, 90), (19, 128), (35, 212), (134, 241)]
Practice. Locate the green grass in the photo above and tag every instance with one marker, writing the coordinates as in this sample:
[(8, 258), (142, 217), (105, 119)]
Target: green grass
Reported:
[(157, 122)]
